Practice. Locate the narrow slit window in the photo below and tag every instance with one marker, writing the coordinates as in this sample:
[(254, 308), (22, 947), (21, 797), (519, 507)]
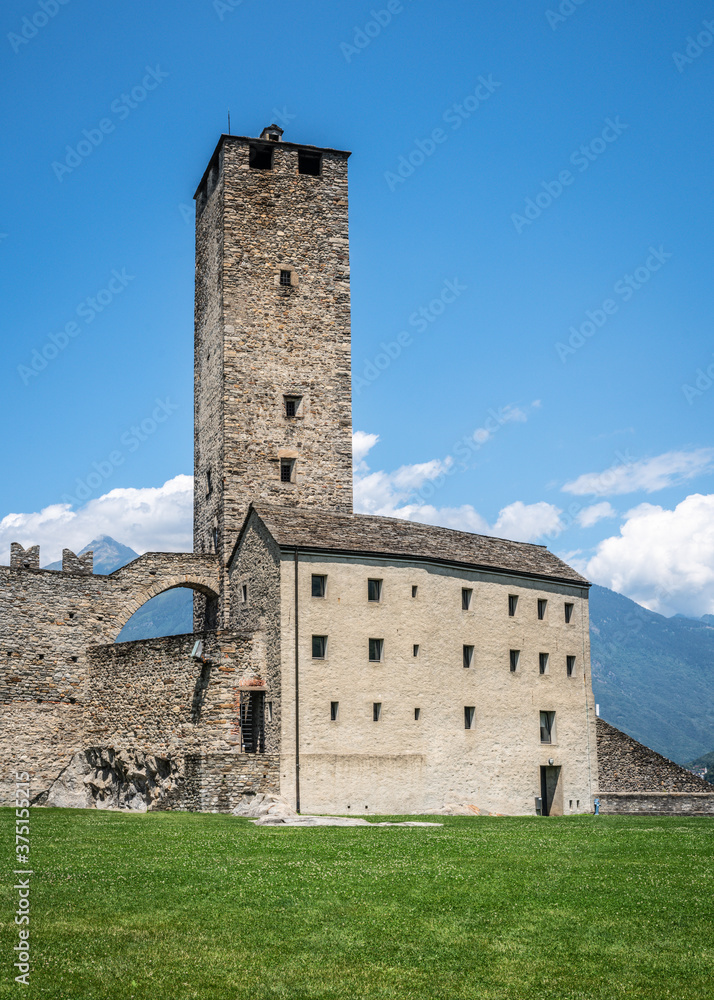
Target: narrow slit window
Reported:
[(515, 656), (414, 590), (376, 650), (466, 595), (292, 405), (268, 711), (286, 470), (334, 710), (244, 593), (547, 727), (469, 715), (286, 278), (570, 665), (209, 484), (309, 163), (319, 647), (260, 157), (569, 608), (512, 604), (468, 656), (376, 711), (374, 590), (417, 714), (415, 649), (215, 539), (542, 605), (319, 585), (543, 663)]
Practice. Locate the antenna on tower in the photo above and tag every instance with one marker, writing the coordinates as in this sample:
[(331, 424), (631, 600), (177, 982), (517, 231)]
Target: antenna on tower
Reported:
[(229, 121)]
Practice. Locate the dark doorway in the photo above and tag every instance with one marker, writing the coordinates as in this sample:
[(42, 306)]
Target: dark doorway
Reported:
[(252, 724), (551, 791)]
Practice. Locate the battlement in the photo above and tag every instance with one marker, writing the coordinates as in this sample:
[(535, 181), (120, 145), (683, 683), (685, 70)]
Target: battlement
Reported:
[(77, 564), (21, 558)]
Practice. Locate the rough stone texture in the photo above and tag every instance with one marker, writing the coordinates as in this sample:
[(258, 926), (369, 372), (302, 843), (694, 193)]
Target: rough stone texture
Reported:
[(628, 766), (24, 559), (657, 803), (102, 778), (219, 782), (257, 341), (72, 563)]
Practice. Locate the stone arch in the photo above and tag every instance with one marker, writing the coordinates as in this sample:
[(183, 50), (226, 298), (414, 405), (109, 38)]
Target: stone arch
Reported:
[(132, 603)]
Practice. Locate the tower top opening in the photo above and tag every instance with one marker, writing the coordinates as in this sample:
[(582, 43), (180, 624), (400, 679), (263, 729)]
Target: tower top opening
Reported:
[(272, 132)]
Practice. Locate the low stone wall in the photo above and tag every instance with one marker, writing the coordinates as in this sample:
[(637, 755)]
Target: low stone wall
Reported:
[(657, 803), (624, 765), (218, 782)]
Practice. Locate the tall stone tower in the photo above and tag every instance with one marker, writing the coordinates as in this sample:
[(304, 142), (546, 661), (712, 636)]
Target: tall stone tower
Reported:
[(272, 343)]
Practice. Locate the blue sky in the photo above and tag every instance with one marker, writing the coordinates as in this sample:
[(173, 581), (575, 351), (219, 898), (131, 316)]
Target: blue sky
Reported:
[(556, 163)]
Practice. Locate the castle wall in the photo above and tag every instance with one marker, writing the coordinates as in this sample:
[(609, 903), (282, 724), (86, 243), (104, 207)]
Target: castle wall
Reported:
[(401, 764)]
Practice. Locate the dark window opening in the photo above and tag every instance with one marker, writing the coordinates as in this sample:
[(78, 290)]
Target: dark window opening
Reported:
[(547, 723), (512, 604), (286, 470), (466, 595), (334, 709), (269, 711), (568, 612), (417, 713), (414, 590), (469, 715), (542, 605), (318, 585), (252, 721), (292, 405), (286, 278), (273, 136), (374, 590), (309, 163), (244, 592), (260, 157), (376, 711), (319, 647), (468, 656), (376, 649), (543, 663), (415, 649), (570, 665), (209, 485), (515, 657)]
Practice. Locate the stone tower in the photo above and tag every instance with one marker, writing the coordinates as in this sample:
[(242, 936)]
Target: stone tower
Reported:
[(272, 334)]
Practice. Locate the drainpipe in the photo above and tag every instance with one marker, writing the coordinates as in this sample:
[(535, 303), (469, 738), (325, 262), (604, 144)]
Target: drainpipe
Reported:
[(297, 693)]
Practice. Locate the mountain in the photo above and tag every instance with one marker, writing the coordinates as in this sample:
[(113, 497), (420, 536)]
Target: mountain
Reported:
[(108, 555), (653, 676), (706, 760)]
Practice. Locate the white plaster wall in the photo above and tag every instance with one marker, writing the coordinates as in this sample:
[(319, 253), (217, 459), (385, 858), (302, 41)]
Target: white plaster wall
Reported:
[(399, 765)]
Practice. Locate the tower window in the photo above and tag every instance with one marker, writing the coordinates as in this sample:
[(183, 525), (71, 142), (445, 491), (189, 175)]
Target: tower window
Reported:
[(570, 665), (286, 279), (547, 727), (319, 647), (269, 711), (466, 595), (569, 608), (273, 136), (376, 711), (515, 657), (319, 584), (543, 663), (309, 163), (512, 604), (468, 656), (414, 590), (209, 484), (374, 590), (417, 714), (244, 593), (469, 715), (334, 709), (376, 650), (286, 470), (542, 605), (415, 649), (260, 157), (292, 405)]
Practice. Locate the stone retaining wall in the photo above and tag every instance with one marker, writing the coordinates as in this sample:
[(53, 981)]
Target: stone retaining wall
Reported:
[(657, 803)]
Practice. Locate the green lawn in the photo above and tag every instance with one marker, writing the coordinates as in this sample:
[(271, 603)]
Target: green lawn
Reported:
[(177, 905)]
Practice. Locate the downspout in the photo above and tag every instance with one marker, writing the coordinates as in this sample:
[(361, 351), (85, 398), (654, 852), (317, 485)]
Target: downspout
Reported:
[(297, 693)]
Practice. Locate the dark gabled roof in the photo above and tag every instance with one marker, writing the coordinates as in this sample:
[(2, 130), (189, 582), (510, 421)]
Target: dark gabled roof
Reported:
[(366, 534)]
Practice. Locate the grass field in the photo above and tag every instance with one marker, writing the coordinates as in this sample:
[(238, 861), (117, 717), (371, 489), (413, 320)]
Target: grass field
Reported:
[(177, 905)]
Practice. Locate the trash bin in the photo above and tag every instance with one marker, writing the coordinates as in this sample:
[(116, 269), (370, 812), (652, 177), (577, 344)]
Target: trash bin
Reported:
[(539, 806)]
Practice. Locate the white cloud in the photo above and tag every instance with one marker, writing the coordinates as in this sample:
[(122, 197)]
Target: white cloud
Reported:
[(648, 474), (506, 415), (663, 559), (362, 443), (153, 518), (589, 516), (525, 522)]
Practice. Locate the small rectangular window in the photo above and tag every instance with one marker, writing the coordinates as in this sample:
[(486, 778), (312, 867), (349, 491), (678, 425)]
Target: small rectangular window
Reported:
[(209, 485), (319, 647), (374, 590), (286, 470), (542, 605), (466, 595), (568, 612), (468, 656), (570, 665), (268, 711), (376, 649), (543, 663), (376, 711), (547, 727), (334, 709), (417, 714), (414, 590), (515, 657), (215, 539), (309, 162), (319, 585), (286, 279), (512, 604), (260, 157), (415, 648), (469, 714), (244, 592)]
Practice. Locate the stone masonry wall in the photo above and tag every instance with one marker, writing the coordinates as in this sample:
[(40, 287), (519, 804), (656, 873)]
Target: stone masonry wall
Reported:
[(217, 782), (627, 766), (657, 803)]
